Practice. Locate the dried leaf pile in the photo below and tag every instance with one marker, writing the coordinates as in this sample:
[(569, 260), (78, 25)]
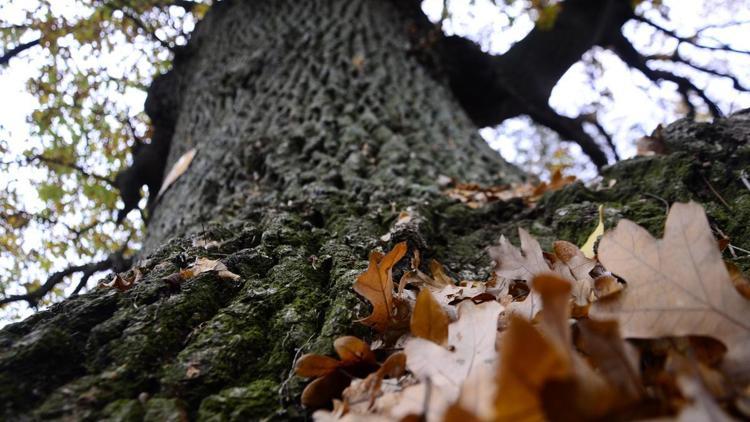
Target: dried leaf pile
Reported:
[(646, 329), (475, 196)]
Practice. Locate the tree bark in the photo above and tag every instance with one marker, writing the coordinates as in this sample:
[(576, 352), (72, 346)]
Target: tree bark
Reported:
[(316, 124)]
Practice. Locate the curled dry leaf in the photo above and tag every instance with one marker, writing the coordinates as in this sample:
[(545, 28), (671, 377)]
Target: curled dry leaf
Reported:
[(367, 390), (333, 375), (177, 170), (616, 360), (125, 281), (677, 285), (376, 285), (438, 274), (557, 181), (203, 265), (605, 286)]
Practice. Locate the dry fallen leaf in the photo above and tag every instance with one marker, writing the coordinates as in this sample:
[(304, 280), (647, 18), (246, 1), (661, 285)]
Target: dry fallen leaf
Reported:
[(676, 286), (124, 281), (588, 246), (179, 167), (513, 263), (428, 320), (741, 283), (557, 181), (202, 265), (376, 285), (540, 374), (355, 358), (528, 362), (616, 360), (472, 337), (579, 267)]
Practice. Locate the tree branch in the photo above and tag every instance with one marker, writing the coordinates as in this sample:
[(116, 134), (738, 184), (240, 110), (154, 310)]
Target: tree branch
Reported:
[(76, 167), (625, 50), (676, 58), (688, 40), (17, 50), (115, 261)]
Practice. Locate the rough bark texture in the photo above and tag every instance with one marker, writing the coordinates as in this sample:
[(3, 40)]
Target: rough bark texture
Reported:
[(306, 156)]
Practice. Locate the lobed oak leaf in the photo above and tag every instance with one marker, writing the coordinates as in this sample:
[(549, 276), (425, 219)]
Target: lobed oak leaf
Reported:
[(676, 286), (520, 264), (376, 285)]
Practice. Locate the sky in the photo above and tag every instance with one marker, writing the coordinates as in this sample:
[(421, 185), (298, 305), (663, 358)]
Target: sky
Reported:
[(635, 106)]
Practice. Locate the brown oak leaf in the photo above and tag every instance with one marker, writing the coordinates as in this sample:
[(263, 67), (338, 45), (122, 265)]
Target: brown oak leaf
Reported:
[(676, 286), (376, 285)]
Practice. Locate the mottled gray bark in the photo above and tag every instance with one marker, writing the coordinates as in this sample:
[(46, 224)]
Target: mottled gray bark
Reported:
[(293, 101), (315, 126)]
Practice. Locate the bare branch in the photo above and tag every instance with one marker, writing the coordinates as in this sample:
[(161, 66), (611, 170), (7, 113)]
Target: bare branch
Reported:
[(13, 52), (625, 50), (571, 130), (34, 297), (676, 58), (689, 40), (115, 261), (76, 167), (591, 118)]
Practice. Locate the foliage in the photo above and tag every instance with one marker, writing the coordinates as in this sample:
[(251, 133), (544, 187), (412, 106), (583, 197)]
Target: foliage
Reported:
[(98, 57), (670, 343)]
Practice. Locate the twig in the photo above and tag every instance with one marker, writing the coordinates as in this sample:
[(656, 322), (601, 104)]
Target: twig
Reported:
[(659, 198), (114, 260), (688, 40), (13, 52), (73, 166), (721, 199)]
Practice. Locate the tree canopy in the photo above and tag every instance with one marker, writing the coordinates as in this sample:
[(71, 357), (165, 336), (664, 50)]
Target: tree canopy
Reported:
[(88, 61)]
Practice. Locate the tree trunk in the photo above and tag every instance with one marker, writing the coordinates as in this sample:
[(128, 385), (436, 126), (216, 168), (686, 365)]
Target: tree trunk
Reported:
[(315, 125)]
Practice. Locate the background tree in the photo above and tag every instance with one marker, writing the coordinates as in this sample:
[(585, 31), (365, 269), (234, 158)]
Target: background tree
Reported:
[(315, 125)]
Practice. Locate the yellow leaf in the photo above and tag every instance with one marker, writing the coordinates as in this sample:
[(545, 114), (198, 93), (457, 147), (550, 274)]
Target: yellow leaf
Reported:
[(588, 246)]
